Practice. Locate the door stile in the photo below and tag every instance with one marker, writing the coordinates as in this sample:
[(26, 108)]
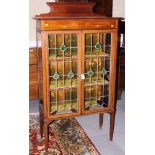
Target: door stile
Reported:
[(45, 73), (113, 71), (82, 70), (80, 51)]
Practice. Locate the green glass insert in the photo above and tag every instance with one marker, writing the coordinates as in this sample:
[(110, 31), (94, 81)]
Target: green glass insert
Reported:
[(71, 74), (56, 76), (90, 72), (104, 71), (63, 48), (98, 46)]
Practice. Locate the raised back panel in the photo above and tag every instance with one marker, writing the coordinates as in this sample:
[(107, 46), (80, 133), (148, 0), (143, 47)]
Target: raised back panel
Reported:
[(102, 6)]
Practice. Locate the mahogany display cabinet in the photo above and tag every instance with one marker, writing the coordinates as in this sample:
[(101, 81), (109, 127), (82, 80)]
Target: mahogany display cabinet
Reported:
[(77, 64)]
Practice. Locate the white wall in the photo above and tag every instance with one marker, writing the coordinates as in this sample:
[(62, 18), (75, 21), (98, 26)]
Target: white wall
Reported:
[(118, 8), (36, 7), (39, 6)]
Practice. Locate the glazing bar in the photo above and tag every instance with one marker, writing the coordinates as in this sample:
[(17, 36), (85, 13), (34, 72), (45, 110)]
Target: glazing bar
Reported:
[(91, 68), (97, 69), (49, 66), (103, 67), (70, 70), (110, 51), (56, 71), (63, 37)]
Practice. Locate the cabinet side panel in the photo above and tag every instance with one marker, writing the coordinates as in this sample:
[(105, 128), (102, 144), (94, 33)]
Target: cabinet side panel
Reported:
[(44, 59), (39, 62), (40, 74)]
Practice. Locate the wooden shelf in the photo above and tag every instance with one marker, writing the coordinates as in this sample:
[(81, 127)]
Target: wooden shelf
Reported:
[(76, 86), (67, 58)]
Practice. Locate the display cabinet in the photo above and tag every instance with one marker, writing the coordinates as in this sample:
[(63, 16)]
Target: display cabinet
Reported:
[(77, 65)]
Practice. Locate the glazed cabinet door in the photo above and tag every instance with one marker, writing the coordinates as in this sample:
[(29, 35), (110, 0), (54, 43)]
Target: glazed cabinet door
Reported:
[(63, 81), (98, 70)]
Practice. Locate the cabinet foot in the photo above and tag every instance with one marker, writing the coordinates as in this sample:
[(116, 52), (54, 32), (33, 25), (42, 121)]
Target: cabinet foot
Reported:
[(112, 123), (46, 136), (101, 115), (41, 125), (41, 117)]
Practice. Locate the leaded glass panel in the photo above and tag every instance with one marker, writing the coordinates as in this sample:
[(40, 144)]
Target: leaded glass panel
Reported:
[(63, 66), (97, 70)]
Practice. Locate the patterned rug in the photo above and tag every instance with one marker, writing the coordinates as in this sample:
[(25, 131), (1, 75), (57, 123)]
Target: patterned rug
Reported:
[(66, 137)]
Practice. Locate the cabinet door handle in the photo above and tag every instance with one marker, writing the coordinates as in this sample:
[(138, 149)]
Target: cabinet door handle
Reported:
[(82, 76)]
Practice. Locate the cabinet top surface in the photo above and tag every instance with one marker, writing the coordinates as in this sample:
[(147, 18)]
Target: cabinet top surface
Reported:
[(70, 16)]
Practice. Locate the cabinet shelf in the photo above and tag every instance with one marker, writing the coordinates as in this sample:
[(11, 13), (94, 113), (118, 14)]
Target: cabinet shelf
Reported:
[(95, 56), (62, 84), (65, 87), (67, 58), (60, 58), (73, 84), (98, 84), (76, 86)]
